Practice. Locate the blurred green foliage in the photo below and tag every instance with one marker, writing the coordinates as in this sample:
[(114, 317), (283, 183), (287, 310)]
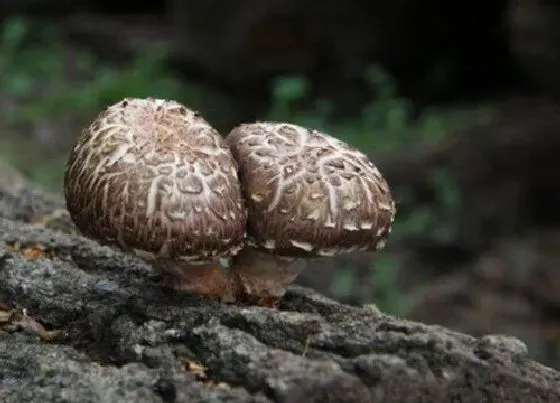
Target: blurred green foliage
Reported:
[(43, 80), (386, 123)]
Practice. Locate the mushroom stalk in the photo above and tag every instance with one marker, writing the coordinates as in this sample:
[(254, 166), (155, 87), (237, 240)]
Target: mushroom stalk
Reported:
[(211, 279), (255, 277), (262, 276)]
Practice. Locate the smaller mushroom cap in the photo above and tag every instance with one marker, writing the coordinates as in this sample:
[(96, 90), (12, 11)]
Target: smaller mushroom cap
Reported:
[(153, 175), (308, 193)]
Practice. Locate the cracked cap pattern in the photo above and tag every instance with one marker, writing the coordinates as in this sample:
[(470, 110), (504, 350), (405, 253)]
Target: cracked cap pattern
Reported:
[(309, 194), (153, 175)]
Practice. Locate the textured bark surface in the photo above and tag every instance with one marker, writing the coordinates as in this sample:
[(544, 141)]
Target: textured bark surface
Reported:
[(86, 323)]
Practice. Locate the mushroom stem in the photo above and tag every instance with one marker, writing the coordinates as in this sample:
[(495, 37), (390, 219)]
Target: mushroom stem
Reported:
[(255, 277), (210, 280), (262, 276)]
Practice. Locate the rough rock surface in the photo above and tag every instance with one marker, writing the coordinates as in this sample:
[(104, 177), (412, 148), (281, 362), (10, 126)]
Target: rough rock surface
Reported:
[(86, 323)]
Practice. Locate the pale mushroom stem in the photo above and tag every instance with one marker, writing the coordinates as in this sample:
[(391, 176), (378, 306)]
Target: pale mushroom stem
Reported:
[(255, 277), (263, 276)]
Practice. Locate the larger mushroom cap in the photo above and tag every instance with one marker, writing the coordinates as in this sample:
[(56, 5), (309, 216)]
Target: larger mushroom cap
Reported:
[(309, 194), (153, 175)]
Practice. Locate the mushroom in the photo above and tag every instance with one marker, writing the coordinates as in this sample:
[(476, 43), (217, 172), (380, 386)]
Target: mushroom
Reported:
[(153, 177), (308, 195)]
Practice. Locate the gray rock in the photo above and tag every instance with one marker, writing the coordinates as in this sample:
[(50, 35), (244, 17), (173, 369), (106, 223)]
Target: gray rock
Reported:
[(124, 337)]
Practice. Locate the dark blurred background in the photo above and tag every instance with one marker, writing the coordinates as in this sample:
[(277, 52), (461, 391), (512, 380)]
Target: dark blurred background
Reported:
[(457, 103)]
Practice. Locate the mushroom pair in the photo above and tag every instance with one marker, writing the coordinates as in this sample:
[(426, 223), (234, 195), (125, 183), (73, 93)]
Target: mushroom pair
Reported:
[(153, 177)]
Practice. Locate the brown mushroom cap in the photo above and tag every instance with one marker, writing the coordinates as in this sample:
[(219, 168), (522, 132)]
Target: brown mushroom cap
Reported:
[(153, 175), (309, 194)]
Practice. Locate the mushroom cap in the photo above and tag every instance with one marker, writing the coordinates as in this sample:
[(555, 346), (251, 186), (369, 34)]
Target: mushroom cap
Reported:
[(308, 193), (153, 175)]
